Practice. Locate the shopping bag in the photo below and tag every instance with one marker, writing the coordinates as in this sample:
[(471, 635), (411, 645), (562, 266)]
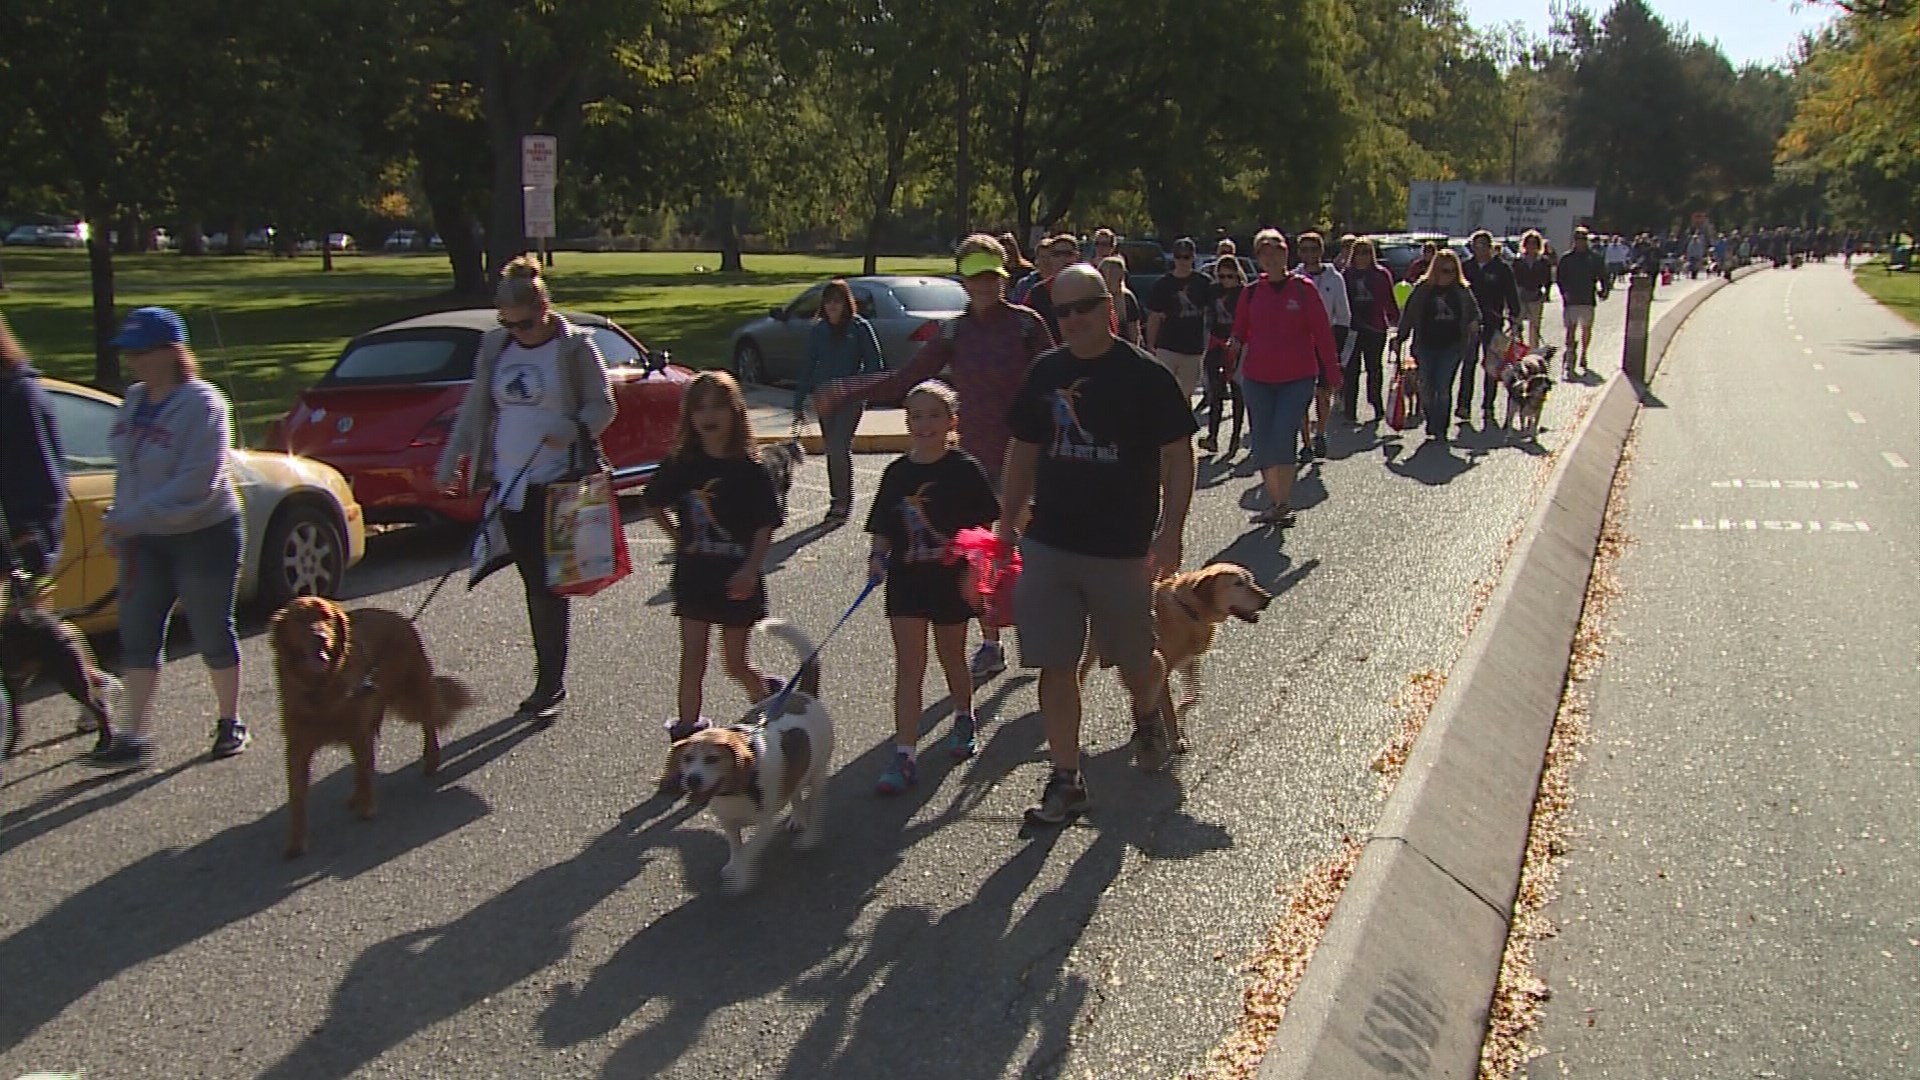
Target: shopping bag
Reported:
[(1403, 400), (992, 571), (489, 544), (586, 546)]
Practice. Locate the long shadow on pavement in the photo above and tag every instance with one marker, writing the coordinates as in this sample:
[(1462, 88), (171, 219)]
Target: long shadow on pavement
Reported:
[(1430, 463), (172, 898)]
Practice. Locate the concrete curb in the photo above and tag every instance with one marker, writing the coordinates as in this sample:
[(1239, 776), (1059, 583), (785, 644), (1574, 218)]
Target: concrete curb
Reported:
[(1401, 982)]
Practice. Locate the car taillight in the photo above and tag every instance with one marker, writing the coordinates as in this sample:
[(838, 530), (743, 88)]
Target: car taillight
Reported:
[(435, 433), (927, 331)]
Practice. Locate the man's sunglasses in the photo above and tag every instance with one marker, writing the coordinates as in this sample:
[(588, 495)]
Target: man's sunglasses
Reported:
[(1079, 307), (519, 324)]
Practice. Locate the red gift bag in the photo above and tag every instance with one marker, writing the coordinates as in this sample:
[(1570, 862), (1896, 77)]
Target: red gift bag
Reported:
[(586, 543), (1403, 401)]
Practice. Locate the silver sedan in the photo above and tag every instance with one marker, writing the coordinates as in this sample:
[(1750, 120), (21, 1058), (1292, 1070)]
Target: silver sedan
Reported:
[(906, 313)]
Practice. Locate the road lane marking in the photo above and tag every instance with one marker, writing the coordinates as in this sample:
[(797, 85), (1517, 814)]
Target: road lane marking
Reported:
[(1894, 459), (1799, 337), (1789, 485), (1773, 525), (1832, 389), (1856, 417)]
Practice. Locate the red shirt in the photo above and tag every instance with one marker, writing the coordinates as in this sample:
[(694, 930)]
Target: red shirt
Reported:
[(1285, 332)]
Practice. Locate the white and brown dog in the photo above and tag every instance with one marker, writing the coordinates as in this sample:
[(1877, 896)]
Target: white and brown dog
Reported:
[(1528, 381), (746, 774)]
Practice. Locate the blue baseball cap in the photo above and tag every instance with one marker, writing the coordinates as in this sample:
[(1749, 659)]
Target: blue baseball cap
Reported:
[(150, 328)]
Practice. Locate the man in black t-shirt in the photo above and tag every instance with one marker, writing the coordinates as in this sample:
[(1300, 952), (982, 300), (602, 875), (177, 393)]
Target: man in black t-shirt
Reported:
[(1103, 450), (1495, 290), (1177, 318)]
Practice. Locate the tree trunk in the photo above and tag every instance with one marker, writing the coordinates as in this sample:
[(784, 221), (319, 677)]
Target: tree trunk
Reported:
[(728, 232), (237, 236), (192, 241), (106, 359), (127, 240), (446, 198), (326, 253)]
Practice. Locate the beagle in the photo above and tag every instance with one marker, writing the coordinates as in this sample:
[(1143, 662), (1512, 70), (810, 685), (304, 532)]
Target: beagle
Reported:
[(746, 774)]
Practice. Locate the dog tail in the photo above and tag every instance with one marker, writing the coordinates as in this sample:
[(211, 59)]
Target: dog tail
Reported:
[(802, 646), (452, 697)]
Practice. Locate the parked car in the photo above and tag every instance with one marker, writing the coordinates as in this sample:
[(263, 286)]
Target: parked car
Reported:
[(401, 240), (382, 413), (340, 241), (906, 313), (63, 236), (303, 527), (25, 236)]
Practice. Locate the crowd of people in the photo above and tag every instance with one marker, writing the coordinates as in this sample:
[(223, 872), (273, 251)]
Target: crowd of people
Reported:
[(1058, 410)]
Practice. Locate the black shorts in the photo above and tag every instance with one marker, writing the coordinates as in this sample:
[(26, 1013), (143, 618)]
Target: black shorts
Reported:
[(699, 588), (928, 592)]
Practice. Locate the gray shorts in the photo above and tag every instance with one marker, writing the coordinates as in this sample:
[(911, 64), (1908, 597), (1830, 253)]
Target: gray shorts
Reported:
[(1060, 594)]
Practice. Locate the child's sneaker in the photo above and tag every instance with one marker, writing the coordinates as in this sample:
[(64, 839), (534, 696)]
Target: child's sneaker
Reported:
[(677, 731), (963, 741), (988, 660), (900, 775), (1065, 796)]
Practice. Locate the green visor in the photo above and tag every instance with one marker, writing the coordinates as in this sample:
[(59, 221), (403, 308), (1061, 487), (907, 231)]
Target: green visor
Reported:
[(982, 262)]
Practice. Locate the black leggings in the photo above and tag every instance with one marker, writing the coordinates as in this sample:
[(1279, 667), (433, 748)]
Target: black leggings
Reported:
[(1370, 345), (1219, 388), (549, 614)]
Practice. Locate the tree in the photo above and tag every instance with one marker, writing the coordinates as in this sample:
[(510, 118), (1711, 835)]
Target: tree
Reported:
[(1858, 115)]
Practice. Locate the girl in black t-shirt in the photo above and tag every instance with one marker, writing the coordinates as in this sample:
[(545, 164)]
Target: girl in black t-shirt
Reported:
[(925, 497), (718, 507)]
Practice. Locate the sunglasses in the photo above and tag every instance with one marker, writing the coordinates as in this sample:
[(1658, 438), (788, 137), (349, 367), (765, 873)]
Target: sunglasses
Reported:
[(1079, 307), (519, 324), (1183, 257)]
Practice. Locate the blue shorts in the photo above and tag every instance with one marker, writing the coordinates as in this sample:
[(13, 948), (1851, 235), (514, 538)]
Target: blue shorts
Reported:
[(201, 571), (1274, 414)]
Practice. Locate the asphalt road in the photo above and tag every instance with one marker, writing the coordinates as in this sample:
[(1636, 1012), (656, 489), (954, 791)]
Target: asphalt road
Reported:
[(1740, 901), (533, 910)]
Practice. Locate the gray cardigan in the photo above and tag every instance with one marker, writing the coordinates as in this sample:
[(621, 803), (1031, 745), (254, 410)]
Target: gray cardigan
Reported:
[(588, 402)]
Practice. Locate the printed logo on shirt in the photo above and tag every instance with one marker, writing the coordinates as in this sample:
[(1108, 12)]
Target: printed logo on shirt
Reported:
[(700, 532), (523, 384), (1071, 439), (925, 544), (141, 434)]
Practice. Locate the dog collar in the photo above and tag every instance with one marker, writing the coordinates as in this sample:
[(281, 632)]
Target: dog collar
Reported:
[(1191, 611)]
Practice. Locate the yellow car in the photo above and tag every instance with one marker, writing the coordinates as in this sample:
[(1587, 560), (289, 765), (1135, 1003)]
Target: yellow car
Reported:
[(303, 527)]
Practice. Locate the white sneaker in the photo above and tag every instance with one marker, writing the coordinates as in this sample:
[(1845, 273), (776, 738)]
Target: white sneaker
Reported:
[(988, 660)]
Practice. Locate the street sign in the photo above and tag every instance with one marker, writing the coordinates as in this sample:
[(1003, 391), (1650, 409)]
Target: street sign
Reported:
[(539, 160), (536, 204)]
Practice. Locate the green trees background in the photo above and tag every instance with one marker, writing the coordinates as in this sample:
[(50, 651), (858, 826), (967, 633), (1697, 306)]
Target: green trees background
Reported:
[(893, 124)]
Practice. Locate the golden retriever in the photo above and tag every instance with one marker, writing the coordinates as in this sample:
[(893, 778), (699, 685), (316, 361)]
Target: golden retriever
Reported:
[(339, 672), (1187, 608)]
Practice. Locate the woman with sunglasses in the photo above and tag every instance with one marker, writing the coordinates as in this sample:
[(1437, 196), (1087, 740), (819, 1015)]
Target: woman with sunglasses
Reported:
[(1229, 279), (1370, 295), (533, 416), (1442, 317)]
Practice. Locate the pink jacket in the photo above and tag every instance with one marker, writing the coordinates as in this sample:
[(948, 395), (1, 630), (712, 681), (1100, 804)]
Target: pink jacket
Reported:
[(1285, 333)]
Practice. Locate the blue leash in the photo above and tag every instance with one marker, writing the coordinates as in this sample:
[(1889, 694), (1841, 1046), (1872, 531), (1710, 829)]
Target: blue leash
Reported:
[(786, 691)]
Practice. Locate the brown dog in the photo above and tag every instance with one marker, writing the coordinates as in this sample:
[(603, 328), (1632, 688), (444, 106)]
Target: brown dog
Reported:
[(339, 673), (1186, 610)]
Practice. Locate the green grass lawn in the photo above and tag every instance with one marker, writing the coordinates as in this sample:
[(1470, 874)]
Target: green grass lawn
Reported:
[(265, 328), (1898, 291)]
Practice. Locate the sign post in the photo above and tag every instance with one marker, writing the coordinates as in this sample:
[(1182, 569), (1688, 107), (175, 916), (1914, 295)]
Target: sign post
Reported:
[(539, 171)]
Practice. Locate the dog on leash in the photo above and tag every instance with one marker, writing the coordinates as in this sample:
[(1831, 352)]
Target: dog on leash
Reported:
[(1528, 380), (768, 762), (1188, 609), (339, 672), (782, 459), (35, 643)]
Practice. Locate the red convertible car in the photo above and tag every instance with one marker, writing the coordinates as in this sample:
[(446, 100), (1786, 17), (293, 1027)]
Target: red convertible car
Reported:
[(382, 414)]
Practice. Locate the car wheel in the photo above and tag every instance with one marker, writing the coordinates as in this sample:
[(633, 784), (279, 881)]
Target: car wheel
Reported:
[(748, 365), (304, 554)]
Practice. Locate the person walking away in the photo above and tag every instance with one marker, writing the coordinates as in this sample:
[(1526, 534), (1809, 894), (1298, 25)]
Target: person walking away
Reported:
[(175, 527), (1375, 312), (1127, 307), (1498, 298), (1443, 319), (1177, 318), (1284, 341), (1696, 255), (718, 506), (1583, 283), (1617, 256), (1103, 451), (985, 353), (1223, 384), (841, 345), (539, 400), (926, 497), (1533, 277), (1333, 293), (33, 478)]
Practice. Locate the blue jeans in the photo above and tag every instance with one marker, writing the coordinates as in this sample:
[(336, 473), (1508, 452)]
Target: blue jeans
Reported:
[(837, 430), (1438, 365), (1274, 414), (200, 570)]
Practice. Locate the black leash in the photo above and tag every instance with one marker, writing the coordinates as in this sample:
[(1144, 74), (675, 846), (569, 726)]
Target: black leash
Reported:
[(486, 520)]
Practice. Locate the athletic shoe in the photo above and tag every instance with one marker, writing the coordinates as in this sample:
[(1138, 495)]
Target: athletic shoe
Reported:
[(1320, 446), (1209, 443), (230, 737), (1064, 797), (127, 752), (1152, 748), (1306, 454), (989, 659), (677, 731), (901, 774), (542, 705), (963, 741)]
